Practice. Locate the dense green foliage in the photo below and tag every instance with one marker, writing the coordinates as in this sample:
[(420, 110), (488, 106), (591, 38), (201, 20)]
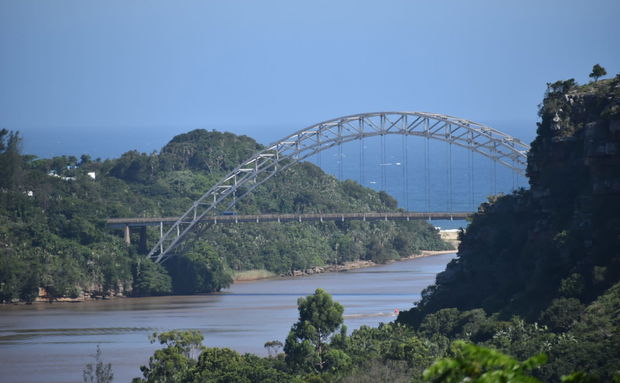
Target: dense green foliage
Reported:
[(546, 251), (172, 363), (473, 363), (53, 234), (50, 236), (440, 350), (200, 268), (306, 346), (549, 254), (184, 359)]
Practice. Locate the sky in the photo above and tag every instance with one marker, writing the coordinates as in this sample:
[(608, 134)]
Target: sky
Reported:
[(104, 77)]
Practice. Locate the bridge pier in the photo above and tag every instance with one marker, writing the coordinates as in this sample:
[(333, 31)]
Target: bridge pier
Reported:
[(142, 249), (127, 235)]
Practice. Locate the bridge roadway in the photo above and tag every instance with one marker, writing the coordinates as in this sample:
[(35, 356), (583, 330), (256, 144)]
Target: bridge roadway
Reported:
[(119, 223), (142, 223)]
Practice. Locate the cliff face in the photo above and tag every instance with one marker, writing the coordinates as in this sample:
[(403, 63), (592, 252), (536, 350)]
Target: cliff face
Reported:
[(574, 171), (561, 238)]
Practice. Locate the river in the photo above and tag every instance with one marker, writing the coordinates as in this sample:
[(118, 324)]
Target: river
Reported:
[(53, 342)]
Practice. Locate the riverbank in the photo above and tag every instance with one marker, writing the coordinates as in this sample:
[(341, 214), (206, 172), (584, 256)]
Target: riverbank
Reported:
[(255, 275), (450, 236), (251, 276)]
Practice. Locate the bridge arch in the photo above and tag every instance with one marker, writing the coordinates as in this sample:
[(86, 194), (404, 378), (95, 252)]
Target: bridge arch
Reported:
[(282, 154)]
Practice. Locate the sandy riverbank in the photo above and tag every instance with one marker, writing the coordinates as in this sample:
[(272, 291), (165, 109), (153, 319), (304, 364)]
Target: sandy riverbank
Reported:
[(449, 236), (255, 275)]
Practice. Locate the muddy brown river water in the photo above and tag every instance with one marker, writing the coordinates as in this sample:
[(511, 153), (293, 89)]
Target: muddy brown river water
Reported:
[(53, 342)]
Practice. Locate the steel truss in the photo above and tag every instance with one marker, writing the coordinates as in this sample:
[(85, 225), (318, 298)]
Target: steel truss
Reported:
[(282, 154)]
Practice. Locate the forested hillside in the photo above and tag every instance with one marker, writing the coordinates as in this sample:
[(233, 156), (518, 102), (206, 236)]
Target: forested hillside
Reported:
[(53, 234), (550, 254)]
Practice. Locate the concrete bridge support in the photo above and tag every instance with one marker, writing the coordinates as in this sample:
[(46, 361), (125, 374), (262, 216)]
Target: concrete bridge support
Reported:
[(142, 249), (127, 235)]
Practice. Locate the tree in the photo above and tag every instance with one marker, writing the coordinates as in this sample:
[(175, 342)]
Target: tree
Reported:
[(3, 133), (174, 362), (223, 365), (98, 372), (198, 270), (150, 278), (272, 347), (10, 159), (85, 159), (562, 314), (473, 363), (306, 345), (597, 71)]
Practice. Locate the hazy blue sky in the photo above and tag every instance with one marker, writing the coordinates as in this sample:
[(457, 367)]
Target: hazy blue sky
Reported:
[(133, 73)]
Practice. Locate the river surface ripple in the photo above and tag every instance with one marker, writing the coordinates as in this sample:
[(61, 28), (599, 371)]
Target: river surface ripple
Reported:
[(53, 342)]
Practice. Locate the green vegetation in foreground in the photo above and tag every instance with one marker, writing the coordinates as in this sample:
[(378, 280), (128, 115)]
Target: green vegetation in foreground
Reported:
[(534, 294), (318, 349), (53, 234)]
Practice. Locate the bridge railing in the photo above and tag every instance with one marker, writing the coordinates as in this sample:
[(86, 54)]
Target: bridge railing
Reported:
[(118, 223)]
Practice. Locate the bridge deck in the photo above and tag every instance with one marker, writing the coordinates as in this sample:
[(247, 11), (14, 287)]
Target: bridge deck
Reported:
[(140, 222)]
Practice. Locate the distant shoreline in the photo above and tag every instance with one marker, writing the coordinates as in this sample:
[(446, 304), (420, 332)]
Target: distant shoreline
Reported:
[(256, 275), (450, 236), (249, 276)]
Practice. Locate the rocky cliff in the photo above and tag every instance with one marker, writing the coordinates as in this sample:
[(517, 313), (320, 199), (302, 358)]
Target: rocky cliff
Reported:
[(561, 238)]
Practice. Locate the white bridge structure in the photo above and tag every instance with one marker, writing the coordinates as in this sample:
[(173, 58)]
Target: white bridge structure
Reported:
[(282, 154)]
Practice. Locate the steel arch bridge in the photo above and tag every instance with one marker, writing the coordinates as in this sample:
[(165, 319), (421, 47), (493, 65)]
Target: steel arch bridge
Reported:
[(499, 147)]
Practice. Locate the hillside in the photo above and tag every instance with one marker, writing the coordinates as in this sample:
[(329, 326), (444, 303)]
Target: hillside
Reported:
[(549, 254), (53, 211)]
